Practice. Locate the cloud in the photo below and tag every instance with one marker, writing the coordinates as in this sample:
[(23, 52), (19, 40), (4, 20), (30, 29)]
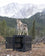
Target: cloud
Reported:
[(37, 2)]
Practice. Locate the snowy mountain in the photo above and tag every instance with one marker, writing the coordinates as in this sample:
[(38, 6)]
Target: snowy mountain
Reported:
[(15, 10)]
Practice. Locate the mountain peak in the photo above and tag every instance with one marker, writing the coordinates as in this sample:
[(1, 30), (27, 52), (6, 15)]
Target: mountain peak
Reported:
[(15, 10)]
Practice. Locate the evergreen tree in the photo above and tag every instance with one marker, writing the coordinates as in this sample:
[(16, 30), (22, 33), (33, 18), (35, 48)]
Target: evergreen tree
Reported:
[(3, 28), (33, 29), (0, 27)]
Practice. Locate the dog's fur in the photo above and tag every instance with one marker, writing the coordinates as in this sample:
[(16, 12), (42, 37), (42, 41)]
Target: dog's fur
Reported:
[(21, 28)]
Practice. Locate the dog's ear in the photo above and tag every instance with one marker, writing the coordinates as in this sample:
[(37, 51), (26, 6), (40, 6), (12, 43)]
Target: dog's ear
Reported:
[(18, 20)]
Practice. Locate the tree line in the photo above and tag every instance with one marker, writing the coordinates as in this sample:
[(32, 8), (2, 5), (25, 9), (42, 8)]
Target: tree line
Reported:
[(7, 31)]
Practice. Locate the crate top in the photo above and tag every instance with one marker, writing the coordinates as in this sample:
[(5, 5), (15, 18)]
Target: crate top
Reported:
[(22, 36), (18, 35)]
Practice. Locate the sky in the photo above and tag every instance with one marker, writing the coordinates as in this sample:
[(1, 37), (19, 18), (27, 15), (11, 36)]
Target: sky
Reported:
[(36, 2)]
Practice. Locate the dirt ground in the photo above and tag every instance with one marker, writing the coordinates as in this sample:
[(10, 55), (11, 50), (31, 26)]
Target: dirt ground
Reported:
[(37, 50)]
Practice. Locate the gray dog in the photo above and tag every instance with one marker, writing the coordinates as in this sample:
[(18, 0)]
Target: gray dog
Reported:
[(21, 28)]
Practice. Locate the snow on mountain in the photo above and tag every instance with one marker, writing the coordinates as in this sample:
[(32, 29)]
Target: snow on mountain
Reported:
[(15, 10)]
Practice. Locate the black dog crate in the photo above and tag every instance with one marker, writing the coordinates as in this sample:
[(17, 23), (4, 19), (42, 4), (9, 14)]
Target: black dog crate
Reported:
[(9, 42), (19, 42)]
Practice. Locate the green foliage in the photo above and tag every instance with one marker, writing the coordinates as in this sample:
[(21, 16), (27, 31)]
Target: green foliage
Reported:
[(6, 30), (33, 29), (3, 28)]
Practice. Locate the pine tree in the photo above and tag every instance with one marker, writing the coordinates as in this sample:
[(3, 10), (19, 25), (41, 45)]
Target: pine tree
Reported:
[(4, 27), (33, 29), (0, 27)]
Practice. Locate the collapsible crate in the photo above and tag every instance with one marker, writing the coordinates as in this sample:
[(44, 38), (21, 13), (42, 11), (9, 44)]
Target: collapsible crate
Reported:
[(20, 42)]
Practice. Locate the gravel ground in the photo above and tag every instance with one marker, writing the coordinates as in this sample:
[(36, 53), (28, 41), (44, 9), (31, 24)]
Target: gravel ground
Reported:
[(37, 50)]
